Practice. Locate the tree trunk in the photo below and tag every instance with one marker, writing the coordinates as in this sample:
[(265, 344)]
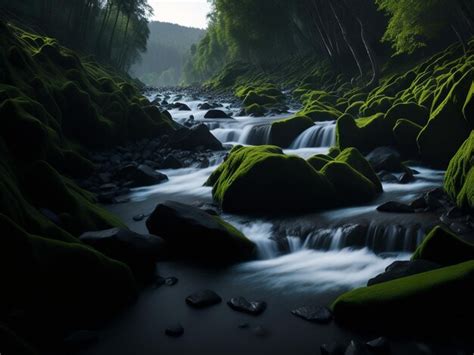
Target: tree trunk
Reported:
[(112, 34), (107, 12), (373, 63), (346, 39)]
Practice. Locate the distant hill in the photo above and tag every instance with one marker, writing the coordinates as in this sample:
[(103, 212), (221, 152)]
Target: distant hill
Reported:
[(168, 48)]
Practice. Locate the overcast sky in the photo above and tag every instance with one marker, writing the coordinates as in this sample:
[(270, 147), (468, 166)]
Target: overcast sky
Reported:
[(190, 13)]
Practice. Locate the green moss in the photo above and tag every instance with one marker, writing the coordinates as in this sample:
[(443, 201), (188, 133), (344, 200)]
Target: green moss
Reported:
[(468, 109), (459, 178), (447, 129), (255, 110), (410, 111), (443, 247), (65, 282), (351, 186), (446, 292), (405, 133), (334, 152), (284, 132), (356, 160), (354, 108), (264, 180), (259, 99), (320, 115), (318, 161)]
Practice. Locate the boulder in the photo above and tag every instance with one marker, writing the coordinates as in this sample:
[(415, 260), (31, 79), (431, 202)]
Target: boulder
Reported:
[(192, 232), (255, 110), (395, 207), (194, 138), (171, 162), (263, 180), (143, 175), (399, 269), (446, 292), (284, 132), (313, 314), (216, 114), (411, 111), (443, 247), (459, 178), (385, 158), (318, 161), (139, 252), (351, 186), (205, 106)]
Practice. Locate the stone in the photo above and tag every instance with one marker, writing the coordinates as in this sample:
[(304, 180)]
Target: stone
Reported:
[(240, 304), (171, 162), (216, 114), (400, 269), (175, 330), (203, 299), (139, 217), (395, 207), (385, 158), (314, 314), (195, 137)]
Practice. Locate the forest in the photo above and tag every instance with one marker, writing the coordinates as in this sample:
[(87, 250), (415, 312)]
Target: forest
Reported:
[(297, 178)]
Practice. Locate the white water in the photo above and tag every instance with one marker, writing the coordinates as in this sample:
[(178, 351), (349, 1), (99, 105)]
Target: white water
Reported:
[(321, 260)]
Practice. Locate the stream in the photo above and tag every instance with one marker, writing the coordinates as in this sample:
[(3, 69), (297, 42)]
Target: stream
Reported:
[(310, 258)]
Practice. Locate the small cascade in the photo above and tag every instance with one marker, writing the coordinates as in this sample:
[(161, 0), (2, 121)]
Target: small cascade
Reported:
[(322, 134), (256, 134)]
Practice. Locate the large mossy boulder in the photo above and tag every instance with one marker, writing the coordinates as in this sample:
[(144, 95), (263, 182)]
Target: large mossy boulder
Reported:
[(284, 132), (318, 161), (412, 301), (443, 247), (447, 128), (263, 180), (411, 111), (63, 283), (194, 233), (459, 178), (356, 160)]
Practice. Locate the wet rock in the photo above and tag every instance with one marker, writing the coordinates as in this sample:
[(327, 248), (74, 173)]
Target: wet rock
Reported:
[(216, 114), (171, 162), (143, 175), (460, 228), (356, 348), (419, 204), (181, 107), (406, 177), (80, 339), (194, 233), (314, 314), (380, 345), (385, 158), (240, 304), (400, 269), (435, 199), (139, 217), (175, 330), (332, 349), (203, 299), (166, 281), (194, 138), (395, 207), (387, 177), (204, 106), (138, 251)]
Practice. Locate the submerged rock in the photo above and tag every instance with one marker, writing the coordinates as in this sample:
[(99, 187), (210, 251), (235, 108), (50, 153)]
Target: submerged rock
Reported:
[(203, 299), (314, 314), (400, 269), (191, 232), (395, 207), (240, 304)]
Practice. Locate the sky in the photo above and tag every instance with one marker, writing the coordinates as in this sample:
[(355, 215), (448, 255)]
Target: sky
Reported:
[(189, 13)]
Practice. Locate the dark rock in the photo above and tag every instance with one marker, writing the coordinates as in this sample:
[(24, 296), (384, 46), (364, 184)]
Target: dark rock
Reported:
[(204, 106), (108, 187), (182, 107), (332, 349), (216, 114), (385, 158), (460, 227), (139, 217), (380, 345), (395, 207), (146, 176), (175, 330), (388, 177), (203, 299), (314, 314), (356, 348), (419, 204), (400, 269), (80, 339), (240, 304), (171, 281), (138, 251), (197, 136), (171, 162), (455, 212), (406, 177), (193, 232)]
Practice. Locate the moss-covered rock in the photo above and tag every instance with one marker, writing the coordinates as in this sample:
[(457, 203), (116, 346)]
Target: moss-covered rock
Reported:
[(284, 132), (318, 161), (255, 110), (446, 292), (356, 160), (447, 128), (264, 180), (411, 111), (459, 178), (443, 247), (351, 186), (405, 133), (66, 283)]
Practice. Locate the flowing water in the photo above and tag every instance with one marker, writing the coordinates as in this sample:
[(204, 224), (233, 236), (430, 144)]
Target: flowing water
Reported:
[(348, 246)]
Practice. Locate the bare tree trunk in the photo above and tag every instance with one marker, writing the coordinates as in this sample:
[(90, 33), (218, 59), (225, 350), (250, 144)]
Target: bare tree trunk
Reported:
[(107, 12), (346, 39), (112, 34)]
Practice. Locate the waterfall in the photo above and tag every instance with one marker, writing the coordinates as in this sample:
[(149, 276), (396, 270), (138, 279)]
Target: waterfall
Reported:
[(256, 134), (322, 134)]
